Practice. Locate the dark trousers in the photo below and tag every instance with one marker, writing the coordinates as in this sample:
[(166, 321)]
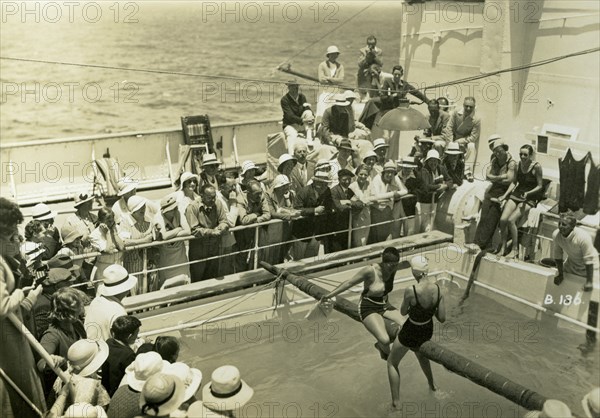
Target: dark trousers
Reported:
[(204, 248), (488, 224)]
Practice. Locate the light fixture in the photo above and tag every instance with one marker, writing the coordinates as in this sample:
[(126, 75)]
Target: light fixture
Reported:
[(403, 118)]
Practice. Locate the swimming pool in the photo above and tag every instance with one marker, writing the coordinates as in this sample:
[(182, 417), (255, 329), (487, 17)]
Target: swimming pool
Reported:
[(304, 368)]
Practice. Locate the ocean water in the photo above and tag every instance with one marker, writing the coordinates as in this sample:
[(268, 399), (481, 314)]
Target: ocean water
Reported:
[(243, 40)]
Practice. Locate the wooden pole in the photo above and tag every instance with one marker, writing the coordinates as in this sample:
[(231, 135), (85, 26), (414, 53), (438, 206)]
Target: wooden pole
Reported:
[(20, 393), (454, 362)]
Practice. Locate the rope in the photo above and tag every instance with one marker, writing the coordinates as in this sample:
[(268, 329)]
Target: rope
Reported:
[(326, 34)]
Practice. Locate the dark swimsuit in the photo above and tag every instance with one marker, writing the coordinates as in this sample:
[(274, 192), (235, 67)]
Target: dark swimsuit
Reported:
[(419, 327), (368, 305)]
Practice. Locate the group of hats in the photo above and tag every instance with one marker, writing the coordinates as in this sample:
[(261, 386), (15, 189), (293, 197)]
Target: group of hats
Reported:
[(164, 386)]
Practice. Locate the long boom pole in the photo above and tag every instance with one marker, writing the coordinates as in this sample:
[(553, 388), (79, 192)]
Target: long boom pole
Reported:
[(454, 362)]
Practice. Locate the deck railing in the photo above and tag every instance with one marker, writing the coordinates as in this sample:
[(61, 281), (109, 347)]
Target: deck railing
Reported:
[(255, 251)]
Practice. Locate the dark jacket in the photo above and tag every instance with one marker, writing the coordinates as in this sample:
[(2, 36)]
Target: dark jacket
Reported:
[(307, 200), (292, 110)]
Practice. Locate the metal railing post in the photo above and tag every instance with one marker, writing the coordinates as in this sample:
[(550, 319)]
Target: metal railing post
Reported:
[(256, 234), (350, 230), (145, 271)]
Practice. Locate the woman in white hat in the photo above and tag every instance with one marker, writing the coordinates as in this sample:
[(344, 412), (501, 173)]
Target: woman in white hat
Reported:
[(331, 71), (433, 181), (127, 188), (362, 189), (162, 395), (171, 223), (86, 358), (249, 172), (106, 239), (191, 378), (188, 190), (139, 232), (370, 161)]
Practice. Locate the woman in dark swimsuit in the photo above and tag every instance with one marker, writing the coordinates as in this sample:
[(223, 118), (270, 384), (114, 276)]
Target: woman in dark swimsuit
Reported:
[(379, 282), (421, 302), (522, 195)]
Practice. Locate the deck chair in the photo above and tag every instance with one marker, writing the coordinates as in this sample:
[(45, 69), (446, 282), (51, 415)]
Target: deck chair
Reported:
[(197, 133)]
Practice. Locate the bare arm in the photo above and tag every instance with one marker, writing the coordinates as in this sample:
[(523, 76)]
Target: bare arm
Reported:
[(440, 313), (539, 177), (359, 277), (406, 302)]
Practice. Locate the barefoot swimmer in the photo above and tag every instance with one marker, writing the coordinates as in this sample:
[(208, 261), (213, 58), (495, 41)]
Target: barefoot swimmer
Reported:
[(421, 303), (374, 309)]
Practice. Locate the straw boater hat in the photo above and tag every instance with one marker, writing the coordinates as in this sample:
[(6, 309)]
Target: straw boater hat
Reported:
[(280, 181), (322, 176), (248, 165), (135, 203), (70, 233), (283, 158), (551, 409), (493, 138), (390, 166), (591, 403), (453, 149), (226, 391), (87, 356), (210, 159), (42, 212), (84, 409), (116, 280), (191, 378), (292, 82), (432, 154), (340, 100), (168, 203), (322, 164), (161, 395), (379, 143), (186, 175), (31, 251), (126, 186), (426, 140), (332, 50), (408, 162), (143, 367), (82, 198)]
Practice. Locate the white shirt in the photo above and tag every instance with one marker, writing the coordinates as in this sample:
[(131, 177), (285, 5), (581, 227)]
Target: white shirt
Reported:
[(99, 317)]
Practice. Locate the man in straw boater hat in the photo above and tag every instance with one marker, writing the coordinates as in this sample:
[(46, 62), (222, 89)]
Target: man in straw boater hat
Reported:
[(315, 205), (210, 167), (344, 159), (226, 393), (294, 105), (454, 163), (107, 306)]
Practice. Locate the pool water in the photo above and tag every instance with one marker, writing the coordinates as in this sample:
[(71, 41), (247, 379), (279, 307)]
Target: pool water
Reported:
[(330, 368)]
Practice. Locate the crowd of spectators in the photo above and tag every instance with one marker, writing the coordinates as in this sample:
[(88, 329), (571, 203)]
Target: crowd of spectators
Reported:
[(89, 360)]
